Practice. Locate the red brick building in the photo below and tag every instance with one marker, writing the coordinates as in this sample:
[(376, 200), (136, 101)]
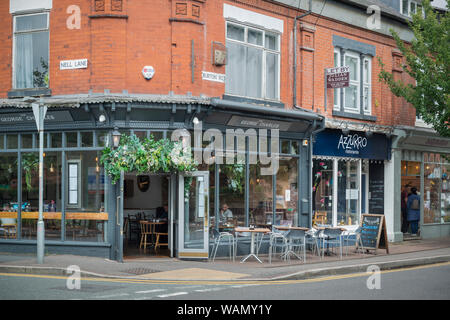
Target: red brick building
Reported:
[(153, 66)]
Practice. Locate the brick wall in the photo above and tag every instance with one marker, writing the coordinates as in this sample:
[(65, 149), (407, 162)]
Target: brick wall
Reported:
[(119, 38)]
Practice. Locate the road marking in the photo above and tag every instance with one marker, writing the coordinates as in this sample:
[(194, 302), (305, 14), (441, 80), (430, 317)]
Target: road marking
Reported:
[(150, 291), (113, 296), (172, 294), (208, 290), (231, 283)]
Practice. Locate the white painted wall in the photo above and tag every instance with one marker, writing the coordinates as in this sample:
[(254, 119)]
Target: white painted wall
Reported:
[(143, 201), (27, 5), (247, 16)]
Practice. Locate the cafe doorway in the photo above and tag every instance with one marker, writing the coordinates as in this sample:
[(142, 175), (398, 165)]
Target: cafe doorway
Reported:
[(147, 208), (410, 178)]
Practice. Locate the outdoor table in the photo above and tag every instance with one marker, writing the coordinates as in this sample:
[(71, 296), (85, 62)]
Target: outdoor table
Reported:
[(287, 228), (253, 231), (328, 253)]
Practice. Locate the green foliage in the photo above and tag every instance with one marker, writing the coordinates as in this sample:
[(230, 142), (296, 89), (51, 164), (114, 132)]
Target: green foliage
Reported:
[(428, 62), (146, 156), (30, 162)]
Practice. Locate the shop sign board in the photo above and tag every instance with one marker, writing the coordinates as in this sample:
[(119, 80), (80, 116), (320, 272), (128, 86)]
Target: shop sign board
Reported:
[(373, 232), (25, 117), (354, 145), (337, 77), (258, 123)]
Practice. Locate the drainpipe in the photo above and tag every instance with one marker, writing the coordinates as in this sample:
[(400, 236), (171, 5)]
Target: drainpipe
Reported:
[(295, 50)]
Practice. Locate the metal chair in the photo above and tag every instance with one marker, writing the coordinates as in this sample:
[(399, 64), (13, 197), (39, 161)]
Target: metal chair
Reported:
[(218, 237), (358, 240), (312, 239), (277, 240), (333, 237), (296, 240)]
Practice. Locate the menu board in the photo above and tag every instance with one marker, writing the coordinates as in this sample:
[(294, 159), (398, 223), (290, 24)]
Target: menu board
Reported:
[(373, 232), (376, 188)]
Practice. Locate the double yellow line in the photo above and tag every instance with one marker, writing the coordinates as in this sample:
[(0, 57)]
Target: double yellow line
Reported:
[(220, 282)]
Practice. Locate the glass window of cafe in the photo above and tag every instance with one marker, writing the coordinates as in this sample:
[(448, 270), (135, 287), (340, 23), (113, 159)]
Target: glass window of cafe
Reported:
[(272, 199), (436, 188), (339, 190), (73, 186)]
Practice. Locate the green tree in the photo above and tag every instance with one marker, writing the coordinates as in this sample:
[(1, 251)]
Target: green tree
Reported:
[(427, 61)]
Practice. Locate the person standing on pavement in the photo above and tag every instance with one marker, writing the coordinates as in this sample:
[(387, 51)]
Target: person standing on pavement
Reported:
[(404, 199), (413, 207)]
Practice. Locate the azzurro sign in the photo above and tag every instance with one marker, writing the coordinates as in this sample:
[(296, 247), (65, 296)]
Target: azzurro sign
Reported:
[(355, 145)]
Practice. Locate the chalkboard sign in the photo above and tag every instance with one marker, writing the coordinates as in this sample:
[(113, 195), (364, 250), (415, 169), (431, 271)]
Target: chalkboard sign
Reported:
[(376, 188), (373, 232)]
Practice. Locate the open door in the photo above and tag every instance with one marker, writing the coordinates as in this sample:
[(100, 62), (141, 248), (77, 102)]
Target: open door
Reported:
[(193, 215), (118, 225)]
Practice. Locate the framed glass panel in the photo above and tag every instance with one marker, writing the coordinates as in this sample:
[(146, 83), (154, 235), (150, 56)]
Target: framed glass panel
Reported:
[(322, 191), (71, 139), (27, 141), (56, 140), (260, 197), (348, 205), (432, 193), (271, 41), (272, 73), (87, 139), (235, 32), (12, 141), (286, 211), (102, 138), (255, 37), (445, 194), (232, 194), (86, 220), (8, 195)]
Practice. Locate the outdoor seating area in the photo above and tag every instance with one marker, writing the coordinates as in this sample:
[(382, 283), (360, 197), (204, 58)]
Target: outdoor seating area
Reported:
[(283, 244)]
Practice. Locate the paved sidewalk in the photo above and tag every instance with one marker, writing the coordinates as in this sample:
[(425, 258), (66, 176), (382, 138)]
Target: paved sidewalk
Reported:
[(408, 253)]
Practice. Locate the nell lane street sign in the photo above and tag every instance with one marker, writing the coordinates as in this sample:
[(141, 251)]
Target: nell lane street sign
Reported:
[(337, 77)]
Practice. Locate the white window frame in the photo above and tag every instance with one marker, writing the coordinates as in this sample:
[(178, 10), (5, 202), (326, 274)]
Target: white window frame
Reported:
[(264, 53), (15, 33), (337, 91), (361, 83), (356, 82), (409, 13), (367, 109)]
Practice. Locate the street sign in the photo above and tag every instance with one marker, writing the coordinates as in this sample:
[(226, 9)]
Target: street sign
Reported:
[(337, 77)]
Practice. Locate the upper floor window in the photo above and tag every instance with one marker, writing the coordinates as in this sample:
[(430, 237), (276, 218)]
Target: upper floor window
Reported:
[(409, 7), (253, 68), (31, 51), (360, 82)]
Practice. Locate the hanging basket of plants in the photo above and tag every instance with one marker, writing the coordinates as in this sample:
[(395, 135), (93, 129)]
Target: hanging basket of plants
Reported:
[(146, 156)]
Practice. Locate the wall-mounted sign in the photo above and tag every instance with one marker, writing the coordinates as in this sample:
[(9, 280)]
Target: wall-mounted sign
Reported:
[(337, 77), (355, 145), (211, 76), (248, 122), (148, 72), (24, 117), (73, 64)]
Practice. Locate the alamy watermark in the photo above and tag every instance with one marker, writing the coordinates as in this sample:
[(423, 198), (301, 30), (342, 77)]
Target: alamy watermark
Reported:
[(237, 142), (73, 282), (374, 280)]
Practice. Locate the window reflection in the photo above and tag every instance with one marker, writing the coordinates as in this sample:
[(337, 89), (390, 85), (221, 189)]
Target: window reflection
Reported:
[(348, 193), (8, 195), (232, 195), (323, 191), (287, 193), (260, 197)]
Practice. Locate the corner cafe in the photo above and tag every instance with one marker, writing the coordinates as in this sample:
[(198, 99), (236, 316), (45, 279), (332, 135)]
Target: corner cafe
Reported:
[(348, 176), (86, 214)]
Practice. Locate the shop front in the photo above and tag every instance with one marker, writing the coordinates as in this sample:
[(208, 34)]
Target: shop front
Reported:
[(86, 213), (423, 162), (348, 176)]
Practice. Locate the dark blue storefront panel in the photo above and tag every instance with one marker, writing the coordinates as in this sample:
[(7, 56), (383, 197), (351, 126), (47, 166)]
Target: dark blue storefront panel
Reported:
[(354, 145)]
